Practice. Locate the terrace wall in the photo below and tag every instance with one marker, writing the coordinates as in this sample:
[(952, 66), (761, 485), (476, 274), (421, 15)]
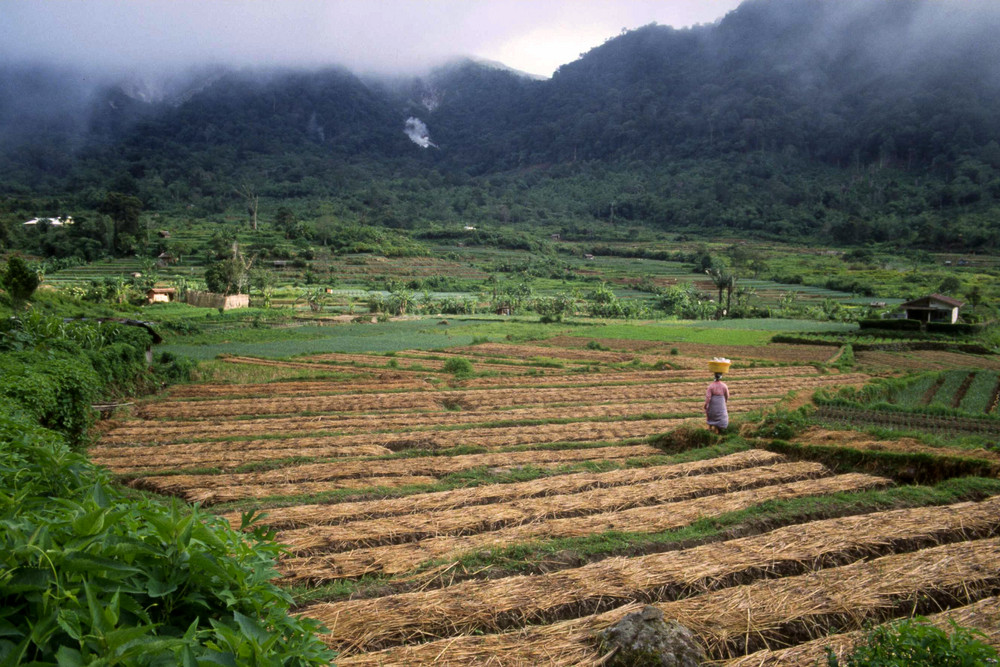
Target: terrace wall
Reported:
[(213, 300)]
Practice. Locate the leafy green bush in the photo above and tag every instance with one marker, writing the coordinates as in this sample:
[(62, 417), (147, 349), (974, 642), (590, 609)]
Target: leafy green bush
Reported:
[(55, 389), (54, 371), (173, 368), (90, 574), (458, 366), (916, 642)]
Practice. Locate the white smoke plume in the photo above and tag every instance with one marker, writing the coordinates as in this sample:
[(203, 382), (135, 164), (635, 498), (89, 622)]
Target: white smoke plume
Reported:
[(417, 132)]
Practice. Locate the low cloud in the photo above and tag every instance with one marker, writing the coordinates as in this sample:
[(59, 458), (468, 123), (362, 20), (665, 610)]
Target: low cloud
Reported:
[(389, 36)]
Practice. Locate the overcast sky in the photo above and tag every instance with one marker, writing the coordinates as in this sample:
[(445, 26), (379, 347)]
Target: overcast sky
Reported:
[(383, 36)]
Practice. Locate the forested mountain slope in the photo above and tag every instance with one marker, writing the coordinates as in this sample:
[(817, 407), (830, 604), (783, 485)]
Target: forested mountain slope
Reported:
[(855, 121)]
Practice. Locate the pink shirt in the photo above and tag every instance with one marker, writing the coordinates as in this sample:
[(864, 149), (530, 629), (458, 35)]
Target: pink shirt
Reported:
[(717, 388)]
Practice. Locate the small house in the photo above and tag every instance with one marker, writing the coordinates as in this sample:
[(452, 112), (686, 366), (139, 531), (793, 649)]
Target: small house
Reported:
[(53, 222), (161, 294), (165, 259), (933, 308)]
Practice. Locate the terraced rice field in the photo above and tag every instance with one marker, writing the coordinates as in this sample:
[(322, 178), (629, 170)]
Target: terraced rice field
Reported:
[(391, 482)]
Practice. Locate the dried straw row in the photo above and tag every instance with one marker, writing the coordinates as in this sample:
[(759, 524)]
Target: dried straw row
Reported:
[(148, 432), (772, 612), (331, 514), (213, 496), (397, 558), (373, 381), (221, 453), (480, 399), (427, 465), (139, 459), (427, 364), (475, 519), (983, 616), (492, 606)]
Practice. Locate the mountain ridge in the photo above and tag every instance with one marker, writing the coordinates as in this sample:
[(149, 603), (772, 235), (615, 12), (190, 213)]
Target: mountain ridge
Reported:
[(901, 95)]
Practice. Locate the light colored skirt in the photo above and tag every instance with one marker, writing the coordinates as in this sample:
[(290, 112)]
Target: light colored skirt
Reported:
[(717, 414)]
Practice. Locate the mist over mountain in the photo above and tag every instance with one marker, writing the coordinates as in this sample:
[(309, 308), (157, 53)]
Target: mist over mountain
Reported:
[(799, 98)]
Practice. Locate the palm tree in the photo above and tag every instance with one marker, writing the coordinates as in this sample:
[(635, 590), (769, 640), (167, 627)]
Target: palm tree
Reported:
[(724, 281)]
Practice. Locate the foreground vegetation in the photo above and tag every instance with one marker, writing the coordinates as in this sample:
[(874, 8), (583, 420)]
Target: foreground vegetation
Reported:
[(93, 572)]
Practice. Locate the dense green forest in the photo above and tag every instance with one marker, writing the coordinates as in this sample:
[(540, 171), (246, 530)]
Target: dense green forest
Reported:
[(801, 120)]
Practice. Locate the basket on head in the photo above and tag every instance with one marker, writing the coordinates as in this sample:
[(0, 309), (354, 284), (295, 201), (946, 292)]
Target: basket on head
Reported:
[(719, 366)]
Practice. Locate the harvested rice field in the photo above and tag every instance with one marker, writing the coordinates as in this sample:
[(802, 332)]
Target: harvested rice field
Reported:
[(508, 516)]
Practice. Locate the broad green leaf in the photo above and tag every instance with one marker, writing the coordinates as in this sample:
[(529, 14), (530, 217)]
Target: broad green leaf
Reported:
[(11, 655), (69, 620), (90, 523), (251, 628), (69, 657)]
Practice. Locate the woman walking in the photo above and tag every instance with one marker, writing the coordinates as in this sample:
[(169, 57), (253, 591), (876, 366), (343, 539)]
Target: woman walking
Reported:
[(716, 397)]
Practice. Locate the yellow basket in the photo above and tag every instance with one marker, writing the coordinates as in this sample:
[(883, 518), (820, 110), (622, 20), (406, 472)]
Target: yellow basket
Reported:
[(719, 366)]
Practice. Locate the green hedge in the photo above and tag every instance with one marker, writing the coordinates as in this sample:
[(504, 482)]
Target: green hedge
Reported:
[(891, 325), (957, 329)]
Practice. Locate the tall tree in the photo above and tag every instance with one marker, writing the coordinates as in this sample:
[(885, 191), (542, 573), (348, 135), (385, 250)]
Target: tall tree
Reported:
[(19, 281), (124, 212), (248, 192)]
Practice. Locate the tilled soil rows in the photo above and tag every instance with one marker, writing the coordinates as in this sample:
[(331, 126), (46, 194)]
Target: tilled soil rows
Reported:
[(398, 558), (418, 382), (152, 431), (476, 519), (481, 399), (777, 352), (982, 616), (742, 619), (494, 606), (221, 453), (318, 515), (220, 488)]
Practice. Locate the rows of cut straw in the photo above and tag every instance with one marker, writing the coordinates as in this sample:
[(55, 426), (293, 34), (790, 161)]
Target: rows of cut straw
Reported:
[(219, 454), (173, 431), (735, 621), (393, 559), (493, 606), (387, 381), (775, 352), (982, 616), (427, 363), (221, 488), (475, 519), (127, 460), (481, 399), (327, 514)]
